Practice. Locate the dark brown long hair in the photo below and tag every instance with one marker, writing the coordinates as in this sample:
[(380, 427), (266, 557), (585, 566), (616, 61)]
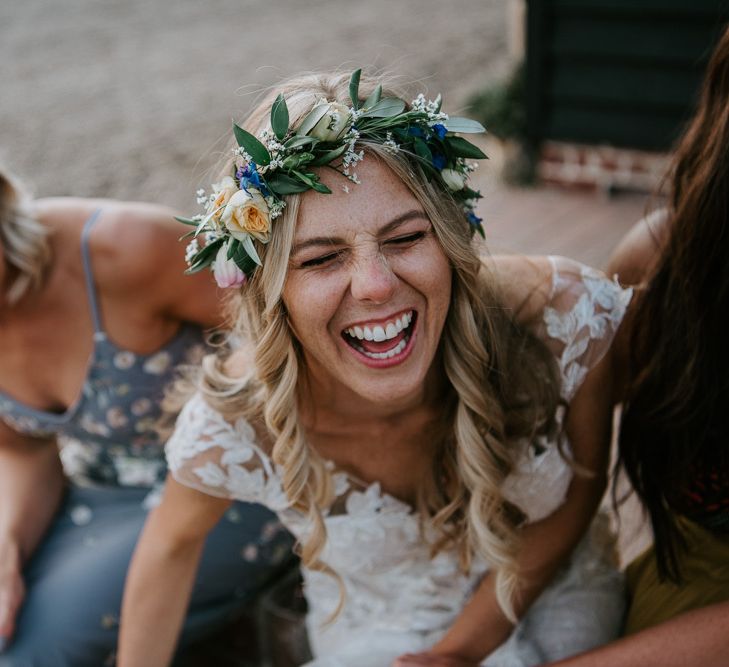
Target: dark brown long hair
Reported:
[(676, 416)]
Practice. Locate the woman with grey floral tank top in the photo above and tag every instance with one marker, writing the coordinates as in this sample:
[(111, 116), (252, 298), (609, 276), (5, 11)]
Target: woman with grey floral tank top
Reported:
[(94, 318)]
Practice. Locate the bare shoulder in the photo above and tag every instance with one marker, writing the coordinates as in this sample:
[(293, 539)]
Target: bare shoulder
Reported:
[(524, 283), (127, 237), (138, 238), (138, 256), (138, 246), (635, 256)]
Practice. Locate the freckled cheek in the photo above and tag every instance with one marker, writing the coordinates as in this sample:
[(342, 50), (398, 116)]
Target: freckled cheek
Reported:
[(311, 305), (436, 287), (428, 272)]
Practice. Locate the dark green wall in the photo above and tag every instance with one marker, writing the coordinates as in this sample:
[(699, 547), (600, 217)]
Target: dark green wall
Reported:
[(624, 72)]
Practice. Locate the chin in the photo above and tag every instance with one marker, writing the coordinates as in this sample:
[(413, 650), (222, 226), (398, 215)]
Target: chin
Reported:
[(389, 392)]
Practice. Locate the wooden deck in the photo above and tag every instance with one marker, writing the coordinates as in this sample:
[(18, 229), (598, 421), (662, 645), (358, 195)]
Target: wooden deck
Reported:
[(555, 221)]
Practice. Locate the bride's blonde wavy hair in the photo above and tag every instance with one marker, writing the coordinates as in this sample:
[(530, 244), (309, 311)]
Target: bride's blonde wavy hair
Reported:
[(502, 383), (23, 239)]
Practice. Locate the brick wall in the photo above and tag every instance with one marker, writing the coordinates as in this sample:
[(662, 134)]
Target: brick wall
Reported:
[(603, 168)]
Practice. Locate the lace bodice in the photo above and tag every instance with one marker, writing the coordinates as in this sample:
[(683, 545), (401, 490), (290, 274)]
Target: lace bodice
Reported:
[(374, 540)]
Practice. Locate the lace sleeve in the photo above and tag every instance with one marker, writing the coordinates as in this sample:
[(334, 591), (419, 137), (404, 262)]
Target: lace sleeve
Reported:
[(584, 311), (210, 454)]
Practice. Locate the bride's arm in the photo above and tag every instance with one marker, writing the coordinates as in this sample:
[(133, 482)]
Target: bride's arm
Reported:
[(482, 626), (162, 573)]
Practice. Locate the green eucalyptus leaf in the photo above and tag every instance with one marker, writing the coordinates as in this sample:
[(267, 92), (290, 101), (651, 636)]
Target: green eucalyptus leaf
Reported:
[(311, 119), (374, 98), (297, 142), (385, 108), (463, 125), (329, 156), (320, 187), (187, 221), (205, 256), (401, 134), (232, 246), (422, 150), (297, 159), (312, 180), (282, 185), (247, 242), (251, 145), (315, 182), (468, 193), (305, 178), (243, 260), (202, 224), (196, 268), (462, 148), (210, 249), (354, 88), (280, 117)]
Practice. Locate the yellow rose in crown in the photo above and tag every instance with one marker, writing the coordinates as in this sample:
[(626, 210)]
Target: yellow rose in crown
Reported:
[(223, 191), (246, 213)]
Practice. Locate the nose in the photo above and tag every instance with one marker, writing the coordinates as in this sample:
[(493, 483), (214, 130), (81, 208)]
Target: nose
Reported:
[(373, 279)]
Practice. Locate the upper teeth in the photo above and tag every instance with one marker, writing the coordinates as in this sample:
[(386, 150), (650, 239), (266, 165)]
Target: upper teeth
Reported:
[(378, 333)]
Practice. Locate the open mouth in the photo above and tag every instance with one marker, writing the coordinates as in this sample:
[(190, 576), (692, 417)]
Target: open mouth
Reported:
[(382, 341)]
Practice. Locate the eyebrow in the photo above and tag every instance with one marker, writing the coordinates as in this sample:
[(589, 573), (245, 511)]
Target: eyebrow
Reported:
[(385, 229)]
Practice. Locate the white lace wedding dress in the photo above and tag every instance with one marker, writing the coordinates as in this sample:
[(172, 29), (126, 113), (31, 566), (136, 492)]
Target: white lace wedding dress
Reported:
[(399, 599)]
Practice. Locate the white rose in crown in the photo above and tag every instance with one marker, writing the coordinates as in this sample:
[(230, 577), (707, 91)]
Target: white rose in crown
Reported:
[(333, 124), (226, 271), (223, 191), (453, 179), (246, 213)]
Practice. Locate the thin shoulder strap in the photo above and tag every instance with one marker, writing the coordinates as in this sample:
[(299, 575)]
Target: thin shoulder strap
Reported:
[(88, 272)]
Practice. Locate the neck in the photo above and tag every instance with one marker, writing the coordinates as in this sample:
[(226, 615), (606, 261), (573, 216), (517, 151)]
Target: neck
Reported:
[(323, 399)]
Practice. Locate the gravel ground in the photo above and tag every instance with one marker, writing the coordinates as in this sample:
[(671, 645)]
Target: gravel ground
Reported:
[(132, 99)]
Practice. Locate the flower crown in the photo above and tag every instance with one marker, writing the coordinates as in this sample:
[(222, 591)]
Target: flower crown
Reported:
[(279, 163)]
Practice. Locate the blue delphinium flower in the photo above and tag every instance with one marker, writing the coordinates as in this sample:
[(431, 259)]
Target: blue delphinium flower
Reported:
[(474, 219), (440, 130), (249, 177), (439, 161), (416, 132)]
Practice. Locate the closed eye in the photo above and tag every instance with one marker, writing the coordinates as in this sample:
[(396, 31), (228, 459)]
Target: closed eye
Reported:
[(319, 261), (404, 240)]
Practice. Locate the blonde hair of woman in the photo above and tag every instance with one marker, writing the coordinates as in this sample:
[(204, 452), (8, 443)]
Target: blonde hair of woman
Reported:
[(500, 387)]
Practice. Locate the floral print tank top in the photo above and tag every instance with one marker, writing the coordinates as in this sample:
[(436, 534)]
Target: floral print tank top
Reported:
[(108, 436)]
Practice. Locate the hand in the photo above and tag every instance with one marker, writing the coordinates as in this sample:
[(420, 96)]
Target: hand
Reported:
[(12, 593), (432, 660)]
